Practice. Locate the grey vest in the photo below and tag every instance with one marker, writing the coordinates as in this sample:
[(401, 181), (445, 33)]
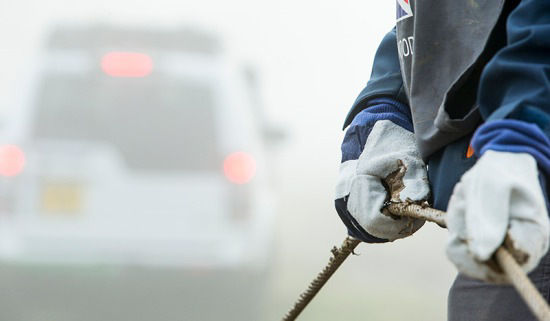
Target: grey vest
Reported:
[(443, 46)]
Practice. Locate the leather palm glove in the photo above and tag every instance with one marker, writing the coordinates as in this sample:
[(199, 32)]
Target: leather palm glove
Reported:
[(380, 163), (497, 202)]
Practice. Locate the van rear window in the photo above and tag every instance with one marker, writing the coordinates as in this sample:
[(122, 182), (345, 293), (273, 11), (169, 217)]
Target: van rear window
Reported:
[(155, 124)]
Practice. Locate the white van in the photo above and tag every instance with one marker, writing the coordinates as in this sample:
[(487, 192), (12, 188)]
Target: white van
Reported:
[(140, 152)]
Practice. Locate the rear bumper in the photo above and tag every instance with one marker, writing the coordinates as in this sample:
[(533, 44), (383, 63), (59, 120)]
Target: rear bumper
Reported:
[(232, 251)]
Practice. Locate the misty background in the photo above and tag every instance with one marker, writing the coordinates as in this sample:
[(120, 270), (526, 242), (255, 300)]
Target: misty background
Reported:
[(311, 58)]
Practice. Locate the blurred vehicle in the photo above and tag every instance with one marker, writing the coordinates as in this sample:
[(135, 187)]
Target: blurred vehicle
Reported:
[(133, 182)]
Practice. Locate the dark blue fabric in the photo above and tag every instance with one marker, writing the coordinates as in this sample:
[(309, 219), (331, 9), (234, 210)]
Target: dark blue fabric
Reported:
[(382, 108), (516, 81), (514, 90), (445, 168), (361, 126), (514, 136), (385, 79)]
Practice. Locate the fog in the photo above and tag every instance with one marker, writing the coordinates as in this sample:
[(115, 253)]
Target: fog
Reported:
[(309, 60)]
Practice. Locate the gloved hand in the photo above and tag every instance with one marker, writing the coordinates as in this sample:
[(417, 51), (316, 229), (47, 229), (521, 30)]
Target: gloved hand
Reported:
[(498, 201), (388, 167)]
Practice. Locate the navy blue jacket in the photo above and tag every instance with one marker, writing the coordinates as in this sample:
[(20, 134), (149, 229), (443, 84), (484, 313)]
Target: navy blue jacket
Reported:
[(513, 98), (515, 83)]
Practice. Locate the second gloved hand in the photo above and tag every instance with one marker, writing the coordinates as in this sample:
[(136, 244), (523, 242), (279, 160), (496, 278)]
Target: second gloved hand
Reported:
[(497, 202)]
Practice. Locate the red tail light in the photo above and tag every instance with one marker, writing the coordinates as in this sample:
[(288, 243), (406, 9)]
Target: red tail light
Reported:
[(239, 167), (12, 160), (127, 64)]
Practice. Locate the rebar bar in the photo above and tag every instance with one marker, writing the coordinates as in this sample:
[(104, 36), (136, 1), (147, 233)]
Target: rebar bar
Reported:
[(339, 255), (511, 268)]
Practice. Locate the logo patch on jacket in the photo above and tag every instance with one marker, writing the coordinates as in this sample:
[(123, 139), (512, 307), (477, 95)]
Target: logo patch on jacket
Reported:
[(404, 10)]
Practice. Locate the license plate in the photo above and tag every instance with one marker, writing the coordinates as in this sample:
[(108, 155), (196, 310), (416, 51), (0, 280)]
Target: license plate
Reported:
[(61, 198)]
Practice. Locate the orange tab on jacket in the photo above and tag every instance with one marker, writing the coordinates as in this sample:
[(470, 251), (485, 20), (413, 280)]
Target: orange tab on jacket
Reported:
[(470, 151)]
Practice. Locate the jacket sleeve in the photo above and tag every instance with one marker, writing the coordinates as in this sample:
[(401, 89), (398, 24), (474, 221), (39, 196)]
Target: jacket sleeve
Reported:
[(385, 79), (514, 90)]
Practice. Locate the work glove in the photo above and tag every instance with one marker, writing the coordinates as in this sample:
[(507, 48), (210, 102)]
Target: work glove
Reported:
[(380, 163), (497, 202)]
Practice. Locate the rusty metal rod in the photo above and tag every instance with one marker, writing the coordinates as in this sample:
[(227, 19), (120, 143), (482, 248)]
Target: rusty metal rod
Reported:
[(339, 255), (513, 271)]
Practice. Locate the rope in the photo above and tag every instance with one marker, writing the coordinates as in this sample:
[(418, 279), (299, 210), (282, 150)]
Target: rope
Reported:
[(523, 285), (338, 257), (515, 274)]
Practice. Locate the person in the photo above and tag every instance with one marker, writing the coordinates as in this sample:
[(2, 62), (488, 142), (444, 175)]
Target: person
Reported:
[(464, 88)]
